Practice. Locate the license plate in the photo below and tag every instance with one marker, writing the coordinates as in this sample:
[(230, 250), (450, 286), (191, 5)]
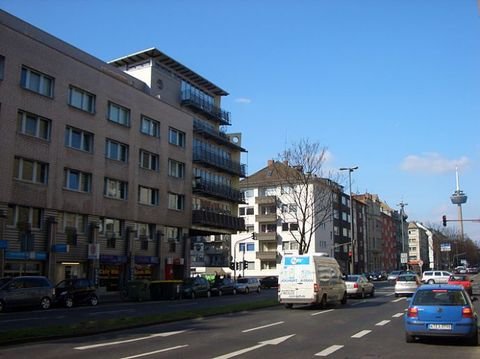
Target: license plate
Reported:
[(440, 326)]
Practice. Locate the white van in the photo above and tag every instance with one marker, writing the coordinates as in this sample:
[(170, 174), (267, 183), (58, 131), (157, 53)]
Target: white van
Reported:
[(310, 279)]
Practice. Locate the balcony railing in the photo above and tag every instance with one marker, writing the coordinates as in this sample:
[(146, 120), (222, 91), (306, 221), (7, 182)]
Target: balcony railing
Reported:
[(266, 200), (266, 236), (210, 218), (268, 217), (213, 159), (198, 104), (267, 255), (218, 136), (216, 190)]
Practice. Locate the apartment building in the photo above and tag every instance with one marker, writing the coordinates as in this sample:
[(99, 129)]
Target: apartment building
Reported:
[(418, 248), (108, 169)]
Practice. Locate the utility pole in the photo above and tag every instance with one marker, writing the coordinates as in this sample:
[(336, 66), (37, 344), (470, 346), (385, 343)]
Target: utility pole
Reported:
[(402, 218), (352, 241)]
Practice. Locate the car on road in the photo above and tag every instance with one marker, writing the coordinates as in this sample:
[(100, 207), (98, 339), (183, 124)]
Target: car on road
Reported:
[(195, 287), (359, 286), (247, 285), (406, 284), (463, 280), (26, 291), (377, 276), (269, 282), (443, 311), (393, 275), (436, 276), (223, 286), (75, 291)]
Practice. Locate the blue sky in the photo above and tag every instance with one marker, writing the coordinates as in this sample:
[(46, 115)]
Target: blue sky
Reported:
[(391, 86)]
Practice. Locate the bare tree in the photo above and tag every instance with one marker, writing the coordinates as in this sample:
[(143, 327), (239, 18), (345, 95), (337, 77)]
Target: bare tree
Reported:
[(304, 187)]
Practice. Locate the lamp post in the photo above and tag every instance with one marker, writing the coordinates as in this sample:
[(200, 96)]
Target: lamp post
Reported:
[(350, 170), (402, 218)]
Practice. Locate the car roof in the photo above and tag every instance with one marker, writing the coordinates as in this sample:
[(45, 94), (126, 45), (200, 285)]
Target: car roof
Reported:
[(440, 286)]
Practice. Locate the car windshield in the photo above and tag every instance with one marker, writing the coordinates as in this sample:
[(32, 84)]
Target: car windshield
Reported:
[(407, 278), (439, 297), (459, 277), (352, 278), (242, 280)]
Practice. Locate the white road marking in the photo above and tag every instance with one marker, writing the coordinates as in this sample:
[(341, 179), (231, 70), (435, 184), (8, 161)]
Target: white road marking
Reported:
[(361, 334), (275, 341), (397, 315), (357, 303), (382, 323), (155, 352), (324, 311), (329, 350), (167, 334), (263, 326), (398, 300)]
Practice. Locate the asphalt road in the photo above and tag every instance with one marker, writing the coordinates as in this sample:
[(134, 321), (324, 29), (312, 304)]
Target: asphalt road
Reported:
[(364, 328)]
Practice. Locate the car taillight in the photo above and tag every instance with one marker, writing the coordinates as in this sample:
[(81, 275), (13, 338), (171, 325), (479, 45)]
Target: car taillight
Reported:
[(316, 288), (355, 285), (467, 312), (412, 312)]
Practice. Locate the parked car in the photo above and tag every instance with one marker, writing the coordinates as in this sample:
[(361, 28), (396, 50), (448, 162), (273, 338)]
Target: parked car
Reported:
[(359, 286), (223, 286), (435, 276), (393, 275), (442, 311), (463, 280), (472, 270), (195, 287), (406, 284), (377, 276), (26, 291), (70, 292), (460, 270), (247, 285), (269, 282)]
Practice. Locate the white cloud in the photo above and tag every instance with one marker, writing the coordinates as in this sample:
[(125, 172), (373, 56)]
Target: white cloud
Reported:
[(432, 163), (243, 100)]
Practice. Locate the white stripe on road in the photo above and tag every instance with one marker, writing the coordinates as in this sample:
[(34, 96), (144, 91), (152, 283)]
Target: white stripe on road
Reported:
[(397, 315), (357, 303), (382, 323), (329, 350), (361, 334), (398, 300), (155, 352), (324, 311), (263, 326)]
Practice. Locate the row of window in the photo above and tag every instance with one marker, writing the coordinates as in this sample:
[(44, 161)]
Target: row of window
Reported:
[(285, 208)]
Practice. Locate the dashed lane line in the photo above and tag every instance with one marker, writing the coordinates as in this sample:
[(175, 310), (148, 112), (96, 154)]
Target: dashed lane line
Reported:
[(398, 300), (397, 315), (155, 352), (329, 350), (262, 327), (323, 311), (361, 334), (382, 323)]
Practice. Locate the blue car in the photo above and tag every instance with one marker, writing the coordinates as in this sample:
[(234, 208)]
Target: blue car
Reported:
[(441, 310)]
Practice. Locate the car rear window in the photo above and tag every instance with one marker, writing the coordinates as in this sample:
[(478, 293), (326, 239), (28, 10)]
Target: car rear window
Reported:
[(439, 297), (407, 278), (242, 280)]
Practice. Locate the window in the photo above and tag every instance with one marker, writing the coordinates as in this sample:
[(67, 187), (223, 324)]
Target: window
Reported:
[(145, 230), (150, 127), (33, 125), (2, 66), (77, 181), (249, 211), (148, 160), (116, 189), (241, 247), (148, 195), (112, 229), (30, 170), (294, 226), (176, 201), (81, 99), (72, 220), (116, 151), (248, 193), (284, 227), (176, 169), (37, 82), (118, 114), (78, 139), (241, 211), (22, 214), (250, 247), (176, 137)]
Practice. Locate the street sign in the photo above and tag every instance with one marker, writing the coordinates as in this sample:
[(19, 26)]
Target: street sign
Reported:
[(445, 247), (403, 258)]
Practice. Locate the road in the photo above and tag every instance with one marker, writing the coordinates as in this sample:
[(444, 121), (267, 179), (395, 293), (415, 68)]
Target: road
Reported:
[(364, 328)]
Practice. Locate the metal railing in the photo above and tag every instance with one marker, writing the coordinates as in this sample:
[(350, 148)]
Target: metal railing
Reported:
[(213, 159), (189, 98), (217, 190)]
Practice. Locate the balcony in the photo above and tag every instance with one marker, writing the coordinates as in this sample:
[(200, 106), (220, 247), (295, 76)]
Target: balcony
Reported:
[(211, 189), (266, 200), (199, 105), (266, 236), (215, 135), (210, 218), (208, 158), (267, 255), (267, 217)]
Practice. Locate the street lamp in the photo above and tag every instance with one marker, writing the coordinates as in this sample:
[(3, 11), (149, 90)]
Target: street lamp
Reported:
[(402, 218), (350, 170)]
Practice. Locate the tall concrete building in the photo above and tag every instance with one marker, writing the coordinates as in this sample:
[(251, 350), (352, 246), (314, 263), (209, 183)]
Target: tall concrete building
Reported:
[(108, 169)]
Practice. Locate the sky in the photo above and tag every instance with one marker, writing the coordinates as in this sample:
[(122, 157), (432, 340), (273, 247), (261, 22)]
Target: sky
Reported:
[(390, 86)]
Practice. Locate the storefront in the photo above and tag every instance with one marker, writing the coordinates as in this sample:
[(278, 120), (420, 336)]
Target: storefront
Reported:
[(24, 263), (111, 272)]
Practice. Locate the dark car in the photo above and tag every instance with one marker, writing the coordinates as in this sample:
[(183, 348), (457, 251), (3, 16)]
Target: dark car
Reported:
[(223, 286), (269, 282), (195, 287), (70, 292), (26, 291)]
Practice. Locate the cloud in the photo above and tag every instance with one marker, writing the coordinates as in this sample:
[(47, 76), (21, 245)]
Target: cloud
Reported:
[(432, 163), (243, 100)]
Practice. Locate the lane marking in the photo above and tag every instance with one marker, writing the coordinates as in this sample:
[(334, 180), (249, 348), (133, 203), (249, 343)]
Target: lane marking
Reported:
[(397, 315), (329, 350), (382, 323), (398, 300), (275, 341), (155, 352), (357, 303), (167, 334), (361, 334), (262, 327), (324, 311)]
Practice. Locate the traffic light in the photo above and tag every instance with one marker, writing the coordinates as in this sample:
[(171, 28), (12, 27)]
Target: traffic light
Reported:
[(254, 237), (232, 265), (444, 219), (237, 265), (245, 265)]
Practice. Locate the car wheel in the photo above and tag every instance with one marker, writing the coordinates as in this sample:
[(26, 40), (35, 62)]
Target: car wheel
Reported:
[(363, 294), (192, 295), (258, 290), (45, 303), (473, 341), (220, 293), (247, 290), (396, 295), (289, 305), (431, 281), (409, 338), (344, 299), (234, 291), (93, 300), (68, 302), (323, 302), (209, 294), (372, 294)]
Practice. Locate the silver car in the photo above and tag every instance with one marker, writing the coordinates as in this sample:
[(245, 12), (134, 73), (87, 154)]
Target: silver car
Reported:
[(359, 286), (247, 285), (407, 284)]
